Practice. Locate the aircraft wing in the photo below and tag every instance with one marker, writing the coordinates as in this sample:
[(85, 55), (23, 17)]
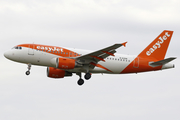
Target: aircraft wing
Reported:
[(99, 55)]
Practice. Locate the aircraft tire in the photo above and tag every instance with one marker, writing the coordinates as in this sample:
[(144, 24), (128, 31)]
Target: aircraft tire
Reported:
[(87, 76), (27, 72), (80, 82)]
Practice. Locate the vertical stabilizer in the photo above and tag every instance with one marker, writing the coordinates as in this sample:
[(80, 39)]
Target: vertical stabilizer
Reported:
[(158, 48)]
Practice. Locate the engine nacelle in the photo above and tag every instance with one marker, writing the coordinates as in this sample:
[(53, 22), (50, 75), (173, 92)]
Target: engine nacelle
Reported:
[(57, 73), (65, 63)]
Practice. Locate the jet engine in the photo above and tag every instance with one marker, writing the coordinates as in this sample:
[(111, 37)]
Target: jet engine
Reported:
[(57, 73), (65, 63)]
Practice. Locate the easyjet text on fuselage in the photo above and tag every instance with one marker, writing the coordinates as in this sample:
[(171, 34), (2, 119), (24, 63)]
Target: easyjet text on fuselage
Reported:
[(49, 48)]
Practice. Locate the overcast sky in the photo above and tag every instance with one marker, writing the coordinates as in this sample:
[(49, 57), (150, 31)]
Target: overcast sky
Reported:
[(88, 24)]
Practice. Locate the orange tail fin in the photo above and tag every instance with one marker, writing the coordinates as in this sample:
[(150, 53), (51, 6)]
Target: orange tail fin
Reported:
[(158, 48)]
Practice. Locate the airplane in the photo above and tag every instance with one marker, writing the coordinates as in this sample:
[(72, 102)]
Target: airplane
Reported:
[(64, 62)]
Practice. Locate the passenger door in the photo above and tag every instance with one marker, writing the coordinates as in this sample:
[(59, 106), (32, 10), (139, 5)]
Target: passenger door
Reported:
[(31, 49)]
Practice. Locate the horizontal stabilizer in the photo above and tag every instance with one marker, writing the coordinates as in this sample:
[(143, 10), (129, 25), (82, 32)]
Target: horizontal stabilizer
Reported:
[(161, 62)]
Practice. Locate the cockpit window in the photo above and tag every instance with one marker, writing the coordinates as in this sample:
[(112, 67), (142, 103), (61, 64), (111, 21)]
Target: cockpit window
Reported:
[(16, 47)]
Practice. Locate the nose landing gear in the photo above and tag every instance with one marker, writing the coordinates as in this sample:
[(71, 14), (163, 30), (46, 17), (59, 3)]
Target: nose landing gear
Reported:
[(27, 72), (29, 68)]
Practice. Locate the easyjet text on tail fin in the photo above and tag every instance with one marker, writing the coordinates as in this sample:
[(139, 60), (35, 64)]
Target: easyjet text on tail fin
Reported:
[(158, 48)]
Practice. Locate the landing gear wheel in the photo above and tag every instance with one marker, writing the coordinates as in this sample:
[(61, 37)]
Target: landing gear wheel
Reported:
[(27, 72), (80, 82), (87, 76), (29, 68)]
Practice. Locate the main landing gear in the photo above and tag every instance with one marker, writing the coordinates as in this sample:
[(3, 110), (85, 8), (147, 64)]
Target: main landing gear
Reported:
[(29, 68), (87, 76), (81, 81)]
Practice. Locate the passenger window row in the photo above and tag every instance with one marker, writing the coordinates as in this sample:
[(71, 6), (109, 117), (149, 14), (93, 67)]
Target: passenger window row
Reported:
[(119, 59)]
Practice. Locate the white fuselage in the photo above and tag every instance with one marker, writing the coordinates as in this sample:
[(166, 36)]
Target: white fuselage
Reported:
[(63, 62), (25, 55)]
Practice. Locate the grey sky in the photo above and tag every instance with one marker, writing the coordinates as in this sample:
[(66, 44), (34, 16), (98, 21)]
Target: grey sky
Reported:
[(88, 25)]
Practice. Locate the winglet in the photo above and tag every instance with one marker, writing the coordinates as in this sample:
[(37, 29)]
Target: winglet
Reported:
[(124, 44)]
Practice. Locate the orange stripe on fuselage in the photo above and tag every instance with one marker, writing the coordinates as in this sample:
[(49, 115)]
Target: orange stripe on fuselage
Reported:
[(140, 65), (59, 51)]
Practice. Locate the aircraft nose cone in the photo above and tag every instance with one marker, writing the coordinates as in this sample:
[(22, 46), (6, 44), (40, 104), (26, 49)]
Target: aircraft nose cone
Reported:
[(6, 54)]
